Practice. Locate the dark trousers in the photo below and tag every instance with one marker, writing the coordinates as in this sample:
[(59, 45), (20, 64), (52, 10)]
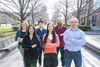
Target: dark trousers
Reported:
[(76, 56), (29, 62), (40, 55), (50, 60), (62, 55)]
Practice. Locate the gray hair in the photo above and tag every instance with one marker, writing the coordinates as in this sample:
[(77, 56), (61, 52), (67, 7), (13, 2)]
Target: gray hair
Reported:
[(74, 19)]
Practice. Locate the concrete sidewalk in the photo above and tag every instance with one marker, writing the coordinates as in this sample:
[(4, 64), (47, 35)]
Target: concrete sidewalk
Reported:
[(93, 43), (93, 40), (11, 58)]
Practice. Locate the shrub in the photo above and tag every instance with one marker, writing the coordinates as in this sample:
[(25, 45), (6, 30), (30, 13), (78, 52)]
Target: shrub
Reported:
[(15, 28), (84, 28)]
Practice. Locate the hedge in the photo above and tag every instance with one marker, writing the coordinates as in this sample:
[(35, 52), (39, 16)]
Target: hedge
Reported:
[(84, 28), (15, 28)]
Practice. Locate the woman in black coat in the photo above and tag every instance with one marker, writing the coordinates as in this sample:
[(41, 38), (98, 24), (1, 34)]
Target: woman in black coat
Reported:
[(31, 47)]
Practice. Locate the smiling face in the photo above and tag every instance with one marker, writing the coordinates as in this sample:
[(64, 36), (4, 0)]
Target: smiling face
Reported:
[(23, 25), (59, 22), (31, 30), (74, 23), (40, 25), (50, 27)]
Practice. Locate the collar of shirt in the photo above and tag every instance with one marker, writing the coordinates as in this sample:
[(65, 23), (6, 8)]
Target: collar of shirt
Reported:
[(74, 30)]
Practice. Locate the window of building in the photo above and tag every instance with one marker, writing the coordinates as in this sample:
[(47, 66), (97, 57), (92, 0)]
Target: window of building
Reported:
[(94, 19)]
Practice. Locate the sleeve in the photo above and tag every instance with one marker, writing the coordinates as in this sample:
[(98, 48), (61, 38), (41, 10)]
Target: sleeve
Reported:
[(25, 43), (17, 35), (81, 41), (45, 30), (65, 28), (43, 37), (38, 41), (52, 45), (37, 32), (66, 35)]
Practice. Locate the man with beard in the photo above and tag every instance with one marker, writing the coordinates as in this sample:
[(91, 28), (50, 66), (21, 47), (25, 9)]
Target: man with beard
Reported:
[(60, 29)]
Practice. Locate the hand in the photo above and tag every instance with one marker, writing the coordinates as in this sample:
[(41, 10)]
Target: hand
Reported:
[(33, 46), (70, 39), (20, 39), (61, 34)]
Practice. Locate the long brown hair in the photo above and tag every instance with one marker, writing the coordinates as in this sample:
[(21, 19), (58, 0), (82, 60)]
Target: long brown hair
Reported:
[(20, 28)]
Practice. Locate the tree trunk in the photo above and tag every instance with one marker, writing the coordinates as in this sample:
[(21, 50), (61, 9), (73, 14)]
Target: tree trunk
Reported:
[(66, 19)]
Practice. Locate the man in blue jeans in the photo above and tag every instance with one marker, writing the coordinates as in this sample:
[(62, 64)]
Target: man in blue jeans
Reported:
[(74, 39)]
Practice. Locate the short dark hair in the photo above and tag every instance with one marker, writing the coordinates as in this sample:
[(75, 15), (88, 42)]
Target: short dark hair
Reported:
[(40, 22)]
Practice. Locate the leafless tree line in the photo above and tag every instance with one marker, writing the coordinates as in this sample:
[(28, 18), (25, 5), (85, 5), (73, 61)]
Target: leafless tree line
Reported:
[(78, 8), (20, 9)]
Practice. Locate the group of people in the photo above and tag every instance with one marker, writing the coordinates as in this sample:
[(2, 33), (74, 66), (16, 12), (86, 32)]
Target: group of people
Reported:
[(33, 42)]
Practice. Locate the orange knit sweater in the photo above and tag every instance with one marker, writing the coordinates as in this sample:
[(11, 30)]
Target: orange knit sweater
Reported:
[(51, 47)]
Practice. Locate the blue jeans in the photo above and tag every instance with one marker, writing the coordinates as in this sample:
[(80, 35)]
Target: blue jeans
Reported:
[(76, 56)]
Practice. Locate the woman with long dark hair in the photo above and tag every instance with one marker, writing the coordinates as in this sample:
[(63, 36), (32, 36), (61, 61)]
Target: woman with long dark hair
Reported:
[(50, 44), (31, 47)]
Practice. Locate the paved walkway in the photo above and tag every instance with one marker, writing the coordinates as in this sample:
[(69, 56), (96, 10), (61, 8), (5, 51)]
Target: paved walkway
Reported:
[(93, 41), (13, 58)]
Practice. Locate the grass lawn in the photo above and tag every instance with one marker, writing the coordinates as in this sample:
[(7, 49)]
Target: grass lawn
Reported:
[(4, 35), (5, 29)]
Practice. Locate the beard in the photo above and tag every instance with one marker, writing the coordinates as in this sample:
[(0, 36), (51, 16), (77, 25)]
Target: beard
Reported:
[(59, 24)]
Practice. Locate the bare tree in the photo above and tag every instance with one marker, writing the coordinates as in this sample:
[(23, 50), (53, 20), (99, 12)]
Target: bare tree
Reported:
[(84, 7), (16, 9), (19, 9), (64, 9), (56, 13), (36, 8)]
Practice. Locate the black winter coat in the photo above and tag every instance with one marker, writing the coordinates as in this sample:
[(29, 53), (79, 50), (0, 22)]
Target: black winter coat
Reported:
[(28, 50)]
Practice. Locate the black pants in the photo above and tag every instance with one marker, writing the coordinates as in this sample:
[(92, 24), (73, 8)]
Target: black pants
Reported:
[(40, 55), (29, 62), (50, 60), (62, 55)]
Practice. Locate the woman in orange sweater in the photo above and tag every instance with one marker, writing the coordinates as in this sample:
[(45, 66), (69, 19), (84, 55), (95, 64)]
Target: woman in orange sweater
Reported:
[(50, 44)]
